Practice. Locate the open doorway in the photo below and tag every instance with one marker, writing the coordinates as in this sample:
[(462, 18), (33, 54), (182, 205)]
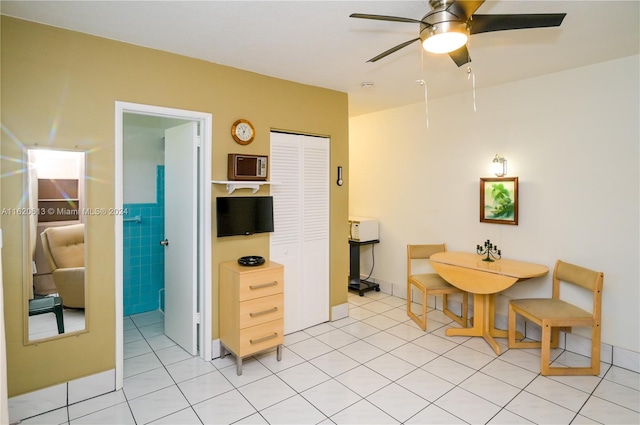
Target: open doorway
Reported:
[(163, 179), (143, 157)]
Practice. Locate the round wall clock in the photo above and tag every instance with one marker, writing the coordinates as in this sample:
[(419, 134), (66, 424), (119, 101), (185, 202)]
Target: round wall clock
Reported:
[(243, 132)]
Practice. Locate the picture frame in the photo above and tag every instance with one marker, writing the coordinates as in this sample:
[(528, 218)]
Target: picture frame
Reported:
[(499, 200)]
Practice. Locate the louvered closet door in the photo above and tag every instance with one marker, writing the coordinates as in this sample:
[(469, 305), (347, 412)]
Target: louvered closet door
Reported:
[(300, 167), (286, 240)]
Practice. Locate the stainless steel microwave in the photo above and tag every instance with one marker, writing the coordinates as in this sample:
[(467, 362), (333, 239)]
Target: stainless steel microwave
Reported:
[(247, 167)]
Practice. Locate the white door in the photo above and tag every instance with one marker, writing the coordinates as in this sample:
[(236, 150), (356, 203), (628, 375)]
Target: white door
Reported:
[(181, 237), (285, 241), (314, 298), (300, 167)]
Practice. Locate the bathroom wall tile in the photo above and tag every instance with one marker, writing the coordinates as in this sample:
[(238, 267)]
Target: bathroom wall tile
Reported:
[(143, 256)]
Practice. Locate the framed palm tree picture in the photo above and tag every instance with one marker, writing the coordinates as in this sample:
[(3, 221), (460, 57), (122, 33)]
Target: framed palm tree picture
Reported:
[(499, 200)]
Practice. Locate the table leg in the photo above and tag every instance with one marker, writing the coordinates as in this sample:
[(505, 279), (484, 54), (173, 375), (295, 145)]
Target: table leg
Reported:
[(477, 329), (498, 333), (483, 318)]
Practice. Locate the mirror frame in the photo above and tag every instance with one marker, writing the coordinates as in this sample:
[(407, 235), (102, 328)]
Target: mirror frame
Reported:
[(28, 212)]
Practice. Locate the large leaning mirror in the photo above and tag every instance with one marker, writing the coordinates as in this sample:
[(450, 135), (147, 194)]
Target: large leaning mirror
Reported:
[(55, 295)]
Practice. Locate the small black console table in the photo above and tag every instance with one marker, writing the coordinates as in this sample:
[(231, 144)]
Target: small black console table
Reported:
[(355, 283)]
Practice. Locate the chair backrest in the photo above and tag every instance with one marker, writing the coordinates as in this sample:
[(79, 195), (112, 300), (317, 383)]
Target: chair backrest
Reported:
[(416, 252), (64, 246), (585, 278)]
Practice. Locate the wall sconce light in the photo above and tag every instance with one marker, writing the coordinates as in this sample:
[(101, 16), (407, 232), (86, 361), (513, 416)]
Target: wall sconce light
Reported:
[(499, 166)]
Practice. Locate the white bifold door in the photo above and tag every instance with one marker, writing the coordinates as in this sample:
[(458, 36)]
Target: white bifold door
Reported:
[(299, 170)]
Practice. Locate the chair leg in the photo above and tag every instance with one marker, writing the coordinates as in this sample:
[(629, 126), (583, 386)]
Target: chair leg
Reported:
[(595, 349), (409, 299), (511, 328), (420, 322), (424, 308), (555, 337), (461, 320), (545, 357), (513, 334), (550, 339), (545, 349)]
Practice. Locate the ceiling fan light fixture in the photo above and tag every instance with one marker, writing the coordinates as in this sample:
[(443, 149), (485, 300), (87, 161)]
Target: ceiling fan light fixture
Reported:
[(444, 37)]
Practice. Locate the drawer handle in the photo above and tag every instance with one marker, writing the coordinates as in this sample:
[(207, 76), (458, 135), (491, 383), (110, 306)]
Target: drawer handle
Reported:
[(267, 311), (264, 338), (263, 285)]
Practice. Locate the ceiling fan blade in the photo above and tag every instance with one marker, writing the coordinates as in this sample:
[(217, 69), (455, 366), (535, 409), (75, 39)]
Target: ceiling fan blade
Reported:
[(384, 18), (488, 23), (392, 50), (460, 56), (464, 9)]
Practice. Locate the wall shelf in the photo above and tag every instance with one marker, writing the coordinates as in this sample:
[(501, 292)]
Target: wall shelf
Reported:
[(236, 184)]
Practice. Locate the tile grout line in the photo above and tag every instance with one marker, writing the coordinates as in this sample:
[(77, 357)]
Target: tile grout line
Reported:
[(405, 340), (385, 351)]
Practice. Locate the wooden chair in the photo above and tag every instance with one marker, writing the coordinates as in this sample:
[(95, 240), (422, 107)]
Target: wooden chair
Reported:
[(554, 314), (431, 284)]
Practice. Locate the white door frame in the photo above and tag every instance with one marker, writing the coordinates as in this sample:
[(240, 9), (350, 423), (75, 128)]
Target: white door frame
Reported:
[(204, 225)]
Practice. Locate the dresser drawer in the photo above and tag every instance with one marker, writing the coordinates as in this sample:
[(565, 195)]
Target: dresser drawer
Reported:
[(260, 337), (255, 285), (260, 310)]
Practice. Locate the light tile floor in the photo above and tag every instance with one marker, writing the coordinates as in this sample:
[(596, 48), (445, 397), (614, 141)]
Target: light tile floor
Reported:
[(374, 367), (45, 325)]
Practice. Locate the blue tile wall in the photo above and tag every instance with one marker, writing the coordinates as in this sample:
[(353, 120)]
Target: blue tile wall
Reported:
[(143, 262)]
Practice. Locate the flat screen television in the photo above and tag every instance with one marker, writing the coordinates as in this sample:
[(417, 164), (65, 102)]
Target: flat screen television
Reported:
[(244, 215)]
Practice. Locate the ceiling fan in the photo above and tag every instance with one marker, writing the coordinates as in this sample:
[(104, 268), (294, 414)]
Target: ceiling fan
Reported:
[(446, 28)]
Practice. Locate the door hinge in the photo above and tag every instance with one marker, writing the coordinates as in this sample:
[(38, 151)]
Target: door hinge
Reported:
[(197, 318)]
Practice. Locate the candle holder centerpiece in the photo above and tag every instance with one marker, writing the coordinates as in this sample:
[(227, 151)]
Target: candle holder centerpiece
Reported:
[(492, 252)]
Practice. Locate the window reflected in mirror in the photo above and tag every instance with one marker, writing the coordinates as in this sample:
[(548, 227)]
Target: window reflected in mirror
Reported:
[(55, 257)]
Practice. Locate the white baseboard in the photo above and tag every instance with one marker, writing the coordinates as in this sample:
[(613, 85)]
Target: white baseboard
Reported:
[(60, 395), (626, 359), (215, 348), (385, 287), (339, 311)]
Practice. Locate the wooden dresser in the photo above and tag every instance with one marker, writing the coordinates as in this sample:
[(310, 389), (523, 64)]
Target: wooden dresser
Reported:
[(251, 309)]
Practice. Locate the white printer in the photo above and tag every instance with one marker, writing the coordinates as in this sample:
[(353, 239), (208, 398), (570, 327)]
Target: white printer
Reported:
[(363, 229)]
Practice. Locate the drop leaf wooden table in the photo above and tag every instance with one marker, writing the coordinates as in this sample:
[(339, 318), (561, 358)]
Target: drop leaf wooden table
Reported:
[(483, 279)]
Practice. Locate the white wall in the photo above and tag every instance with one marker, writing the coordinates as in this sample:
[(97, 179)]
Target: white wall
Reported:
[(143, 150), (572, 138)]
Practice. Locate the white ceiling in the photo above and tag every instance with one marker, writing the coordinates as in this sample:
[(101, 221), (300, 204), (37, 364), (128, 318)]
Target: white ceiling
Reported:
[(316, 43)]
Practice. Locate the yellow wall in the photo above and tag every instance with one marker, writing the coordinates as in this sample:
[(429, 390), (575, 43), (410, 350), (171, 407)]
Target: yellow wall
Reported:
[(59, 89)]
